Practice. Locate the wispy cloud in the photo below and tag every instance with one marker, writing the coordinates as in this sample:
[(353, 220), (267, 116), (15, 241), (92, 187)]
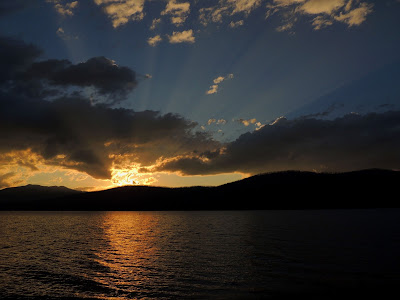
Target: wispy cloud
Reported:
[(323, 13), (356, 16), (233, 24), (154, 23), (218, 122), (227, 8), (244, 6), (66, 9), (8, 179)]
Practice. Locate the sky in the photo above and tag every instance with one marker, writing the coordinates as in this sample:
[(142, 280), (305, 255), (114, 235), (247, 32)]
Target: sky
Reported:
[(102, 93)]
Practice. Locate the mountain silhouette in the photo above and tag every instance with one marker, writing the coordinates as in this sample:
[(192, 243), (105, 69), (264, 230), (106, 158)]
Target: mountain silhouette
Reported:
[(280, 190)]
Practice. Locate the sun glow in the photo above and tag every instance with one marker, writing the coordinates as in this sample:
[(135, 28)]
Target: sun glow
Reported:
[(131, 176)]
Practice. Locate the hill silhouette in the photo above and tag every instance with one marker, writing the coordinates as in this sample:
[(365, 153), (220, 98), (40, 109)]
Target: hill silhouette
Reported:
[(35, 192), (280, 190)]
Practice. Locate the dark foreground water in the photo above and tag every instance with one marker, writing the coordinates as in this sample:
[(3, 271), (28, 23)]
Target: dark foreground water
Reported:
[(197, 255)]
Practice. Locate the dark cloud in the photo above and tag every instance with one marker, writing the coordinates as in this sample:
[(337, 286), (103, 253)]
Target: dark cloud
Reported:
[(98, 72), (68, 130), (72, 133), (15, 57), (347, 143), (23, 74)]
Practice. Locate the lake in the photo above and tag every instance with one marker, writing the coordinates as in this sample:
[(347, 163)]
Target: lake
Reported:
[(199, 255)]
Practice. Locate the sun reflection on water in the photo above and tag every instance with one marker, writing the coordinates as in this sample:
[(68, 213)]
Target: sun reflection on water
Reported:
[(130, 254)]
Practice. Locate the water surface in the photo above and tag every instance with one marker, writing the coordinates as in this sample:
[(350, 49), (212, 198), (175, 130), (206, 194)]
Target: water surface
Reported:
[(198, 255)]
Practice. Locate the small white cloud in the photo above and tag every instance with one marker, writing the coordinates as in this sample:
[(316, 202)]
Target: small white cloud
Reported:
[(178, 20), (214, 88), (178, 11), (218, 122), (221, 121), (60, 31), (182, 37), (322, 6), (218, 79), (247, 122), (153, 41), (122, 11)]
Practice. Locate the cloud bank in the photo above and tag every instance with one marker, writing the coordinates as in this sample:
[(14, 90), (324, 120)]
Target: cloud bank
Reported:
[(348, 143), (72, 133), (69, 130)]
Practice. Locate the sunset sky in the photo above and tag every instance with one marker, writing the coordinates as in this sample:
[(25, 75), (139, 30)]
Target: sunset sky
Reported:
[(102, 93)]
